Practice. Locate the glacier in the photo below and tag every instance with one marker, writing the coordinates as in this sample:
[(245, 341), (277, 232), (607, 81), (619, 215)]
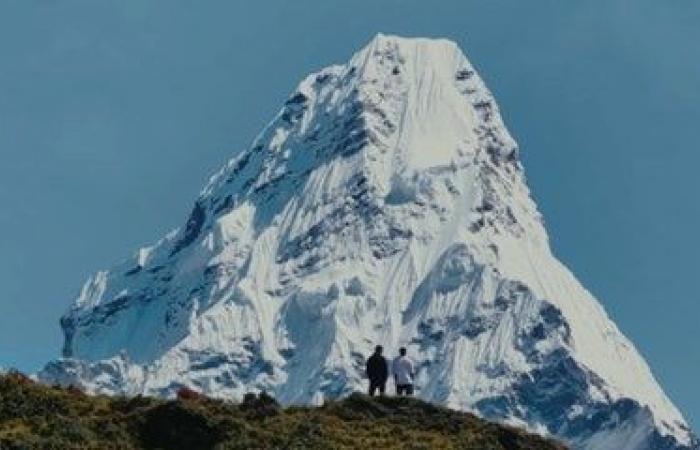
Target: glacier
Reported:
[(385, 203)]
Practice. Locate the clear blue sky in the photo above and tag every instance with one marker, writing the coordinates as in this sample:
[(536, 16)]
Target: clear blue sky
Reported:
[(113, 115)]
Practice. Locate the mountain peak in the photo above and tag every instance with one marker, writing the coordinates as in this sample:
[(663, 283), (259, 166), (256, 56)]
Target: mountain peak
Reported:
[(433, 46), (432, 92), (442, 53), (384, 203), (403, 104)]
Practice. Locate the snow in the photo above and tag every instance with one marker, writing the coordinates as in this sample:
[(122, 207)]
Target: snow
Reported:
[(385, 203)]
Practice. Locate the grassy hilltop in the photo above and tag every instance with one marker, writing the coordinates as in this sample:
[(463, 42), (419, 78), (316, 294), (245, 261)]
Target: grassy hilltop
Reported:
[(38, 416)]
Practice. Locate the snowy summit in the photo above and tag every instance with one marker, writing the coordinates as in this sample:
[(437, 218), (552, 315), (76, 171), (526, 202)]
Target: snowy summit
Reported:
[(385, 203)]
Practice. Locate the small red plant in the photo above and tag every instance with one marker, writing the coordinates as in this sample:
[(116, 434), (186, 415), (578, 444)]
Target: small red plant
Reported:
[(185, 393), (75, 391)]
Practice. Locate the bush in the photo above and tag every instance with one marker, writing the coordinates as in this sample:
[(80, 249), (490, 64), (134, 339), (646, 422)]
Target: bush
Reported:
[(176, 425), (262, 405), (14, 376), (185, 393)]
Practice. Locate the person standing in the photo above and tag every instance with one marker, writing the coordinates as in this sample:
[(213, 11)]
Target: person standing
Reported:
[(377, 371), (403, 371)]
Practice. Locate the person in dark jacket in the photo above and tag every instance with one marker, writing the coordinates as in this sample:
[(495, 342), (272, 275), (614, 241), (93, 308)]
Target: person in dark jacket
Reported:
[(377, 371)]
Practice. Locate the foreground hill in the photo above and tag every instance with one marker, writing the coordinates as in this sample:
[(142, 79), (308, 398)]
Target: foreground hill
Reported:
[(37, 416)]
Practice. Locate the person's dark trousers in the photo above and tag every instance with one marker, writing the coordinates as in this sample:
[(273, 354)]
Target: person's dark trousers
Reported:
[(375, 385), (404, 389)]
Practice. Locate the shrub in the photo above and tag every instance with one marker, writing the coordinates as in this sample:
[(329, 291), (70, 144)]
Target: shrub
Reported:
[(75, 391), (176, 425), (185, 393), (262, 405)]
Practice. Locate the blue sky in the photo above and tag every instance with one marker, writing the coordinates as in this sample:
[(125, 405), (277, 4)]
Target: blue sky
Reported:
[(114, 114)]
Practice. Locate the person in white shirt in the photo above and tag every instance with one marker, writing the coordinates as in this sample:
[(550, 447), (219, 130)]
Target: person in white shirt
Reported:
[(402, 368)]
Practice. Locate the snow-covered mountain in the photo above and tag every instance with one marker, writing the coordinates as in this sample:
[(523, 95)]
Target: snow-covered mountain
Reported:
[(385, 203)]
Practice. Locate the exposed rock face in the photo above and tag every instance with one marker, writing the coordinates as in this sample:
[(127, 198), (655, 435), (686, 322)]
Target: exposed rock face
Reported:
[(385, 203)]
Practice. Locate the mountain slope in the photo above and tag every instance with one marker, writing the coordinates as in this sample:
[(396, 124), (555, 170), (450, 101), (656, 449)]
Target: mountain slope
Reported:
[(385, 203)]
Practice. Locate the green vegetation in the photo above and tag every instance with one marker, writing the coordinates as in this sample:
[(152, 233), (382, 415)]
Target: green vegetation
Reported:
[(38, 416)]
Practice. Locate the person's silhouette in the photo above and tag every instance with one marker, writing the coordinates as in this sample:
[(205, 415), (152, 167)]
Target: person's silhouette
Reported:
[(377, 371)]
